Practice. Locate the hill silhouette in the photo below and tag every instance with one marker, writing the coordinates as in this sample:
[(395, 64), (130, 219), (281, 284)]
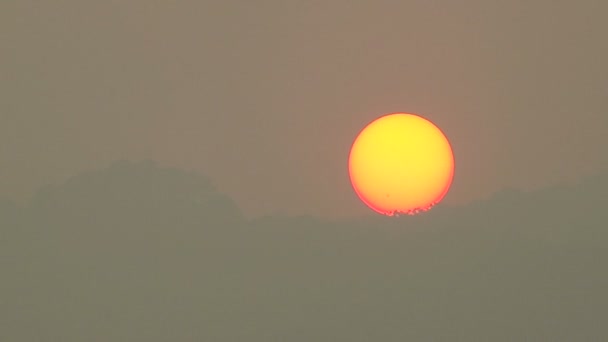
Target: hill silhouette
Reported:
[(136, 252)]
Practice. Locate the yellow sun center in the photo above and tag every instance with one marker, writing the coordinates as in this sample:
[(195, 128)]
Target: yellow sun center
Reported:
[(401, 163)]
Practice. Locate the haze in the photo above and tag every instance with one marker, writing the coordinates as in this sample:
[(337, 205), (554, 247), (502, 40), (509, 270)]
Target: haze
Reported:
[(266, 97), (177, 171), (137, 252)]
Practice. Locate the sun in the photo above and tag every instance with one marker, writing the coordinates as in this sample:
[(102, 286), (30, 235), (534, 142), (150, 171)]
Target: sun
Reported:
[(401, 164)]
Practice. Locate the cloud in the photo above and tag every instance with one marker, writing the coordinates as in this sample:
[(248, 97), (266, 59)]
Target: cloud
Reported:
[(142, 253)]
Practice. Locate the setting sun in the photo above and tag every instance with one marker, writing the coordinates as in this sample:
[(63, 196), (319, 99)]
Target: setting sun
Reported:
[(401, 163)]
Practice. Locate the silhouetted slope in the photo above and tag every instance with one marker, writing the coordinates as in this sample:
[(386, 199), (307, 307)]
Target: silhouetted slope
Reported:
[(141, 192), (8, 218), (140, 253)]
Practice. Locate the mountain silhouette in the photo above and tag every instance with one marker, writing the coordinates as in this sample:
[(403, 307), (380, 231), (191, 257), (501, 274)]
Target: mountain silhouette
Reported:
[(136, 252)]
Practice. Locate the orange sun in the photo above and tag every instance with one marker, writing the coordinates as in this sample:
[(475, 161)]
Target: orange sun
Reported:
[(401, 163)]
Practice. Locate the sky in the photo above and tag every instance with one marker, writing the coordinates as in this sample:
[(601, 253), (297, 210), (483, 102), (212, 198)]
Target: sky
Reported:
[(265, 98)]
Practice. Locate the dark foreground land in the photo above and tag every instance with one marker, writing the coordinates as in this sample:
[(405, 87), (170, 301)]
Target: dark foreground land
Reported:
[(135, 252)]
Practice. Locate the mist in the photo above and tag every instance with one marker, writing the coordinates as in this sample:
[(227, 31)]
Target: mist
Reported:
[(140, 252)]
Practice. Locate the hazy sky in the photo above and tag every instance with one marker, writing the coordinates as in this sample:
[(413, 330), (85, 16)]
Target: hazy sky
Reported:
[(265, 97)]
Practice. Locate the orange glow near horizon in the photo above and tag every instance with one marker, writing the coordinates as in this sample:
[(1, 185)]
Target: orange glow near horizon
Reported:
[(401, 163)]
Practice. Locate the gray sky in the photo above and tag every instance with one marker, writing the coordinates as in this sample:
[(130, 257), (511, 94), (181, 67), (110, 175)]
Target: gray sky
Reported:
[(266, 97)]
